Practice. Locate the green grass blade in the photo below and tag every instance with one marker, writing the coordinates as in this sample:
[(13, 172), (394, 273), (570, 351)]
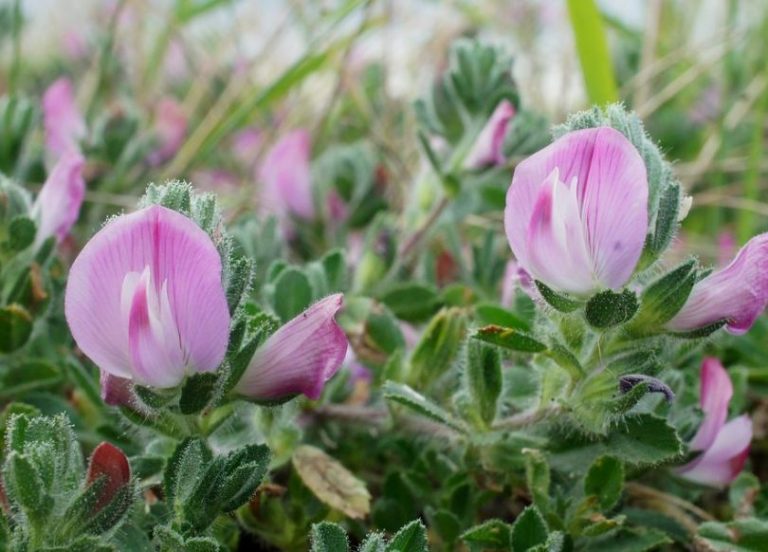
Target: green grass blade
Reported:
[(592, 49)]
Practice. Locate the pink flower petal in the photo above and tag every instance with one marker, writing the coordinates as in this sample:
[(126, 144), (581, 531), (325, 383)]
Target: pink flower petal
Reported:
[(147, 286), (58, 204), (719, 465), (716, 393), (300, 356), (64, 124), (488, 149), (286, 177), (611, 205), (737, 293)]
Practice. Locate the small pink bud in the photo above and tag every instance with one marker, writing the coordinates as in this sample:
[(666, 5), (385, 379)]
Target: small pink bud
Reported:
[(736, 294), (64, 124), (286, 178), (488, 149), (58, 204)]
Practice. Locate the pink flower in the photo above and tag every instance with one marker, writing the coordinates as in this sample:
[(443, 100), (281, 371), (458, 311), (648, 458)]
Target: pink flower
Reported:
[(514, 278), (170, 129), (725, 446), (144, 299), (736, 294), (286, 177), (489, 146), (577, 211), (64, 124), (58, 204), (246, 145), (116, 391), (299, 357)]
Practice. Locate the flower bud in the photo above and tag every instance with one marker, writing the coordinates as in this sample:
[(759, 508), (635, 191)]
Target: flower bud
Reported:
[(299, 357), (736, 294)]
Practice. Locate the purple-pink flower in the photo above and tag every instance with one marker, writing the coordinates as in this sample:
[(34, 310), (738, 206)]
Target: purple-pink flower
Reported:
[(58, 204), (724, 446), (736, 294), (577, 211), (144, 299), (63, 122), (488, 149), (170, 130), (286, 178), (299, 357)]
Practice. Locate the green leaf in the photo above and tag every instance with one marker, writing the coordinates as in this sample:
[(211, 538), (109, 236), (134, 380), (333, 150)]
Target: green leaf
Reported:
[(185, 467), (557, 301), (592, 47), (412, 302), (28, 376), (21, 233), (483, 378), (242, 472), (329, 537), (197, 392), (493, 534), (15, 327), (489, 313), (638, 440), (411, 538), (742, 493), (292, 293), (632, 540), (699, 333), (605, 480), (664, 297), (331, 482), (438, 347), (529, 530), (25, 486), (742, 535), (509, 338), (374, 542), (607, 308), (537, 477), (406, 396)]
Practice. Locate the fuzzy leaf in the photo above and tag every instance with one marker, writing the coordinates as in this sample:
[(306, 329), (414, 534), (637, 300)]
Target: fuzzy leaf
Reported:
[(484, 378), (411, 538), (605, 480), (529, 529), (493, 534), (329, 537), (557, 301), (509, 338), (607, 309), (406, 396)]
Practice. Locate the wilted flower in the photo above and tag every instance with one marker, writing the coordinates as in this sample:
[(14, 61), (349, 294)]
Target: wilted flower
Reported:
[(488, 149), (736, 294), (299, 357), (286, 177), (64, 124), (58, 204), (577, 211), (725, 446), (145, 302), (170, 129)]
